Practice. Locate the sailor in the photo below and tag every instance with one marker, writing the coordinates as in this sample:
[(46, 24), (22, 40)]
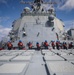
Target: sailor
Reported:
[(20, 45), (53, 44), (38, 46), (9, 45), (57, 45), (30, 45), (64, 45), (46, 44), (70, 45)]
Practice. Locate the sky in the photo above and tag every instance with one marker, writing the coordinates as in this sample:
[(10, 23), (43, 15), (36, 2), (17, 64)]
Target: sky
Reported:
[(10, 10)]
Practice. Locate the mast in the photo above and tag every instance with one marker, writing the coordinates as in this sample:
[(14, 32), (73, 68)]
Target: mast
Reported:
[(37, 1), (36, 5)]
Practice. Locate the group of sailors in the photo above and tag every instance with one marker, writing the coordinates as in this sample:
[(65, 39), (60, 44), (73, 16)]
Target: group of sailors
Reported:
[(45, 45), (30, 45), (59, 45), (20, 45)]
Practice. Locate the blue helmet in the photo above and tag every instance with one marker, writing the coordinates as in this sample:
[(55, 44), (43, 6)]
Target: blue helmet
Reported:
[(20, 41), (52, 41), (71, 42), (37, 43), (57, 41), (45, 40), (9, 41)]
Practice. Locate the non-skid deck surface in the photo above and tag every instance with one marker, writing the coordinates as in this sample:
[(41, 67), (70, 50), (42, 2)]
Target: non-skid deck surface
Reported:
[(31, 62), (37, 65), (22, 58), (53, 58), (61, 68), (6, 58), (13, 69)]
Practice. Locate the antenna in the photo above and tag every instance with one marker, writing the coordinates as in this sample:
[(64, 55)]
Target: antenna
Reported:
[(41, 1)]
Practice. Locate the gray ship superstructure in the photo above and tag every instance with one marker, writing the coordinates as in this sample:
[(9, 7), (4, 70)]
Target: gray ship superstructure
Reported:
[(37, 24)]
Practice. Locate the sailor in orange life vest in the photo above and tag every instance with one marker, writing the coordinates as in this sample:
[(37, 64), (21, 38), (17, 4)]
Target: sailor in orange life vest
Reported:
[(70, 45), (58, 44), (46, 44), (9, 45), (20, 45), (53, 44), (64, 45), (30, 45), (38, 46)]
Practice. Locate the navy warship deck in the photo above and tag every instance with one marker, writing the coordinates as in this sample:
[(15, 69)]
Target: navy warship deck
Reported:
[(33, 62), (36, 24)]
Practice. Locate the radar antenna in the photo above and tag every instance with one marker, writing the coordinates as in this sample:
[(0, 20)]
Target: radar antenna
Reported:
[(37, 1), (36, 5)]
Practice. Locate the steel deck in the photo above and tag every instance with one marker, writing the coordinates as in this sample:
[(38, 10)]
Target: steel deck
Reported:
[(33, 62)]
